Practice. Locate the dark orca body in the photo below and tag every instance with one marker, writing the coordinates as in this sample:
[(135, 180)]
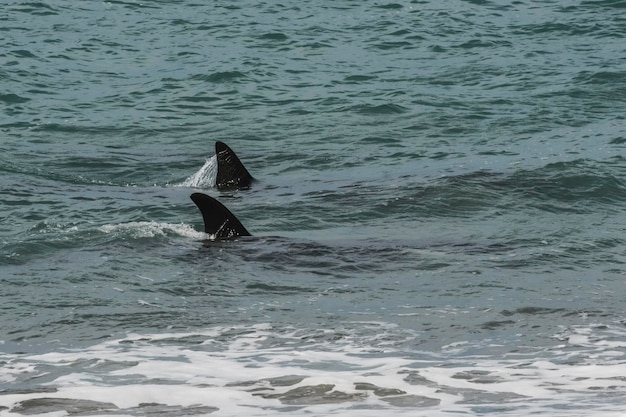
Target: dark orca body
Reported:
[(231, 174), (219, 222)]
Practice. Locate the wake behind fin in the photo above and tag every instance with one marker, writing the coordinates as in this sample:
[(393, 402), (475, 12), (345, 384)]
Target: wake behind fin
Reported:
[(231, 174), (219, 222)]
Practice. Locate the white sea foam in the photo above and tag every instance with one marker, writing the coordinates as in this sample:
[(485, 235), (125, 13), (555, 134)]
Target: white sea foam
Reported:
[(204, 177), (258, 370), (152, 229)]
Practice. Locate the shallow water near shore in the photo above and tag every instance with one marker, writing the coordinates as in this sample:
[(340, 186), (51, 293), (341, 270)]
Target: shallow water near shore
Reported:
[(438, 218)]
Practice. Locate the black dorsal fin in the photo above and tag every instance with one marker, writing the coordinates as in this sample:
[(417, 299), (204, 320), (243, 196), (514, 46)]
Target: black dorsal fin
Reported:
[(231, 174), (219, 222)]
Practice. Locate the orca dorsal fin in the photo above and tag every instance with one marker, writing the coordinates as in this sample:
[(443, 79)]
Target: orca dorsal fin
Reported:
[(231, 174), (219, 222)]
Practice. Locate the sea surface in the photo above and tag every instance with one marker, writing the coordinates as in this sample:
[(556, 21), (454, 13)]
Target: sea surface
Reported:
[(439, 216)]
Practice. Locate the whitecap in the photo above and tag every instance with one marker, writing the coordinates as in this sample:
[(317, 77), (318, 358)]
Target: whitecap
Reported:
[(257, 370)]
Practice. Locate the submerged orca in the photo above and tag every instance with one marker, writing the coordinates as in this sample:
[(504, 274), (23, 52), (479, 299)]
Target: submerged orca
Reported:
[(219, 222), (231, 174)]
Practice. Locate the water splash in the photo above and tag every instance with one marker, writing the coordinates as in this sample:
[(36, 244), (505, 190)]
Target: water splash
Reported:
[(205, 177), (151, 229)]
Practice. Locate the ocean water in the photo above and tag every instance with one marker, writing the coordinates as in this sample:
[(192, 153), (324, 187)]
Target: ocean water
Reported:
[(438, 222)]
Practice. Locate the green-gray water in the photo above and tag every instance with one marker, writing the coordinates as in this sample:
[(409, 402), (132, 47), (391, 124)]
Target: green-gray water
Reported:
[(439, 224)]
